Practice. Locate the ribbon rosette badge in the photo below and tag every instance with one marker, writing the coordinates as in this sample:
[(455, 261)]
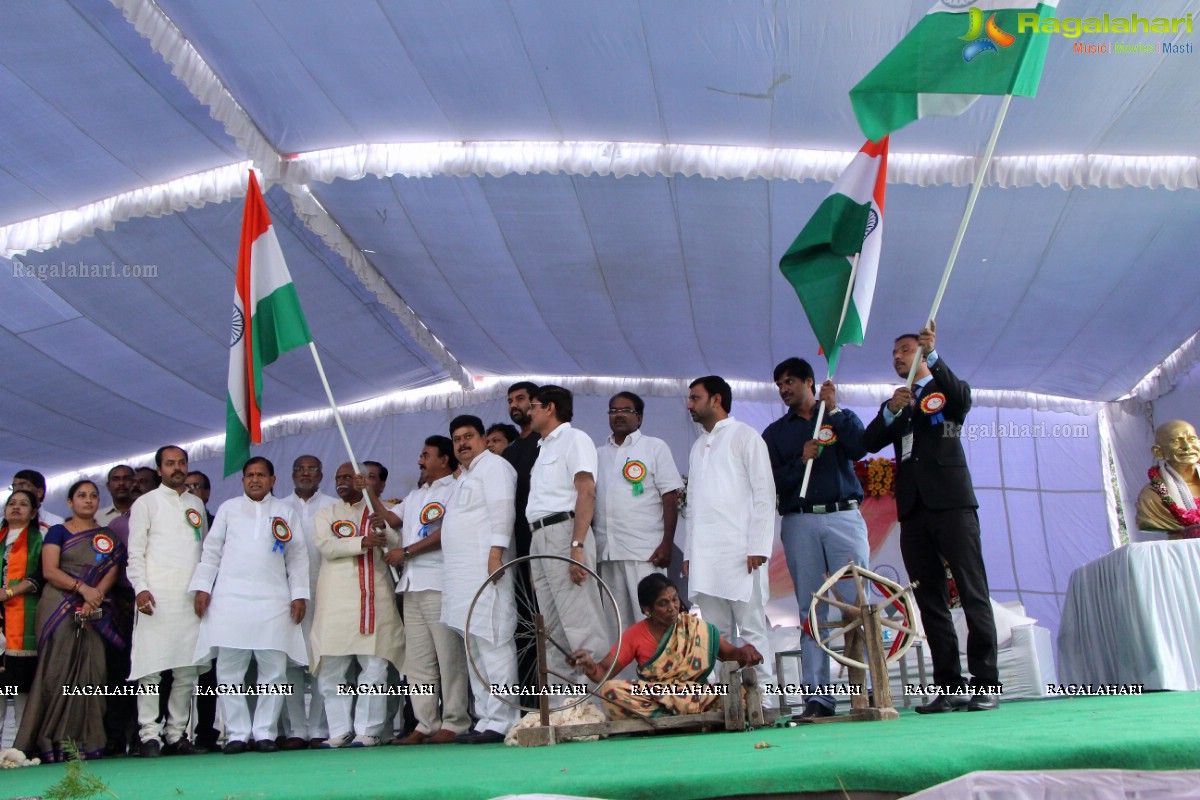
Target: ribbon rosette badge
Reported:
[(195, 520), (635, 473), (431, 513), (932, 405), (343, 529), (281, 532), (103, 544), (825, 437)]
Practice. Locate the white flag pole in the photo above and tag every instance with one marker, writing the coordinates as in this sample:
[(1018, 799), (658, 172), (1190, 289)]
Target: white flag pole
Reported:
[(337, 418), (808, 468), (962, 225)]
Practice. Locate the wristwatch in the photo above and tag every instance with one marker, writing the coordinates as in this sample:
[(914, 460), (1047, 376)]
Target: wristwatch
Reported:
[(576, 544), (407, 555)]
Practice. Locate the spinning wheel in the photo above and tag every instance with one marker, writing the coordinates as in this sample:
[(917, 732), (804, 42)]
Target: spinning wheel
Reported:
[(861, 628), (532, 635)]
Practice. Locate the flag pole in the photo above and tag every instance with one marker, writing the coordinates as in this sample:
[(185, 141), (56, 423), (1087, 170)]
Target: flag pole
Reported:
[(962, 225), (337, 418), (808, 468)]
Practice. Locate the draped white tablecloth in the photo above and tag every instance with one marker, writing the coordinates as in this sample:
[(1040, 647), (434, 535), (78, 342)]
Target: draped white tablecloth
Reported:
[(1133, 616)]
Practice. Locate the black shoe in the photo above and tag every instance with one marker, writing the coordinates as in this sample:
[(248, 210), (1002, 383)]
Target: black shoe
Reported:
[(943, 703), (266, 746), (983, 702), (150, 749), (234, 747), (114, 749), (479, 737), (815, 709), (183, 747)]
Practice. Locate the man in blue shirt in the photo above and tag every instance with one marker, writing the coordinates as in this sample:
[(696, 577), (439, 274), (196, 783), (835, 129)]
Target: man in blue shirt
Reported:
[(824, 529)]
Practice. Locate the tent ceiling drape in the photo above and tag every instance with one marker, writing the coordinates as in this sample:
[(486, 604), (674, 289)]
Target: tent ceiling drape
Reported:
[(490, 231)]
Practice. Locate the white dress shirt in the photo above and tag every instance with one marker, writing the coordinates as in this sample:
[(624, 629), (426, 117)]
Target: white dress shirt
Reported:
[(562, 454), (629, 527)]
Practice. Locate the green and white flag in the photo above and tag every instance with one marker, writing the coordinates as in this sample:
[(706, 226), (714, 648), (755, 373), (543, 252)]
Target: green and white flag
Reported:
[(959, 50), (818, 264), (267, 322)]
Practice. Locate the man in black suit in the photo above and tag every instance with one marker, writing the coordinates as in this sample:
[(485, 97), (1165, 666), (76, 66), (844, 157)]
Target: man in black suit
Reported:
[(936, 506)]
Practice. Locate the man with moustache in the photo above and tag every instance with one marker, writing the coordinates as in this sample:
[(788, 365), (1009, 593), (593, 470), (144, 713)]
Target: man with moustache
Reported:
[(303, 726), (250, 592), (936, 505), (562, 500), (637, 489), (476, 537), (356, 618), (823, 530), (500, 436), (120, 488), (145, 481), (434, 653), (120, 711), (166, 528), (731, 521), (522, 454)]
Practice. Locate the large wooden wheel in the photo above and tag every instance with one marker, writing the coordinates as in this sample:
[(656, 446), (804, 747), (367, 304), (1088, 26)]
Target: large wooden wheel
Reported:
[(532, 635), (895, 611)]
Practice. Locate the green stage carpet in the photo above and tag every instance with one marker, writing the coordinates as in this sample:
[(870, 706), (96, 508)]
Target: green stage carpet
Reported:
[(1159, 731)]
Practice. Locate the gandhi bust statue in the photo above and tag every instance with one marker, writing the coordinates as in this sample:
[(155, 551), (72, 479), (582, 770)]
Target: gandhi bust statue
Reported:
[(1171, 501)]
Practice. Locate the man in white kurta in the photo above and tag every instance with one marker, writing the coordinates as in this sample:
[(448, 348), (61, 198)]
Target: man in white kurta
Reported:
[(731, 521), (476, 535), (433, 651), (301, 725), (166, 527), (356, 617), (637, 487), (250, 591), (562, 500)]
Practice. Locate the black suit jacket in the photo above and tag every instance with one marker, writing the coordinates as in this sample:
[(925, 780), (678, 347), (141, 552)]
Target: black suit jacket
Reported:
[(937, 470)]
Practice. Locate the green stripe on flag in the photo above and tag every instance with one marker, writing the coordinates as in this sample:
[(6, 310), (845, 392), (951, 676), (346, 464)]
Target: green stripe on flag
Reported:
[(929, 60), (237, 440), (817, 265), (278, 325)]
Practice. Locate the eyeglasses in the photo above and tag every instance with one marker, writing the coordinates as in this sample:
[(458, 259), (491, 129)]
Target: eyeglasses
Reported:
[(537, 405), (309, 470), (612, 412), (193, 486)]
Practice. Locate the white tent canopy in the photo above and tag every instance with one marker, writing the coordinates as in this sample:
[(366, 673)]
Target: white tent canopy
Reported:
[(478, 188)]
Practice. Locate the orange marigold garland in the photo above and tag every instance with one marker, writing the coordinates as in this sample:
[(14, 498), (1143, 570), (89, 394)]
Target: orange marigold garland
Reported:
[(877, 476)]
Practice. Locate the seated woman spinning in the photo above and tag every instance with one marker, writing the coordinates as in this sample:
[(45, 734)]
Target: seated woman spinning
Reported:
[(671, 648)]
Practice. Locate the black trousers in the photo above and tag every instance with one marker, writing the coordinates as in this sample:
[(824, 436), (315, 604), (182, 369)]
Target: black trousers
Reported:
[(926, 537)]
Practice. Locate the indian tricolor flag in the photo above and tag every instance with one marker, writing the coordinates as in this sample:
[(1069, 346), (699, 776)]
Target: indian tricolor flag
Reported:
[(819, 262), (958, 51), (267, 321)]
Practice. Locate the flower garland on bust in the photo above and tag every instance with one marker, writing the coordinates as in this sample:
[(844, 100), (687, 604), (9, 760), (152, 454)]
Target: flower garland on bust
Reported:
[(1189, 518), (877, 476)]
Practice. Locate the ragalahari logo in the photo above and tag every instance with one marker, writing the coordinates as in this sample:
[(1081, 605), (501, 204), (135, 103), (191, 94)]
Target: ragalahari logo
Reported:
[(992, 35)]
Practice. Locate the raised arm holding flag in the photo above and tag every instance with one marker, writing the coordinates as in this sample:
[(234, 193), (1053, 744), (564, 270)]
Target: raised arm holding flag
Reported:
[(267, 322), (931, 72)]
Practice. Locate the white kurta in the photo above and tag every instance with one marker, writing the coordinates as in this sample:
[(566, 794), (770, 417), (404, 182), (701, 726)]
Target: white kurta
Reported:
[(629, 527), (356, 612), (164, 549), (730, 511), (424, 573), (479, 517), (252, 584), (306, 517)]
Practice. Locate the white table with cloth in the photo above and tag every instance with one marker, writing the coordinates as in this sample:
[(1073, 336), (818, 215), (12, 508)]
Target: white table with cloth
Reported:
[(1133, 616)]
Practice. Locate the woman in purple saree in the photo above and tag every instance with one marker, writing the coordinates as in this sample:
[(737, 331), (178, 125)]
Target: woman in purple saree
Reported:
[(80, 563)]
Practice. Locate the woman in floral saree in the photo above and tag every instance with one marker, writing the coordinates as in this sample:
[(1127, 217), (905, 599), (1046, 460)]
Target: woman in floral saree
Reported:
[(80, 564), (674, 651)]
